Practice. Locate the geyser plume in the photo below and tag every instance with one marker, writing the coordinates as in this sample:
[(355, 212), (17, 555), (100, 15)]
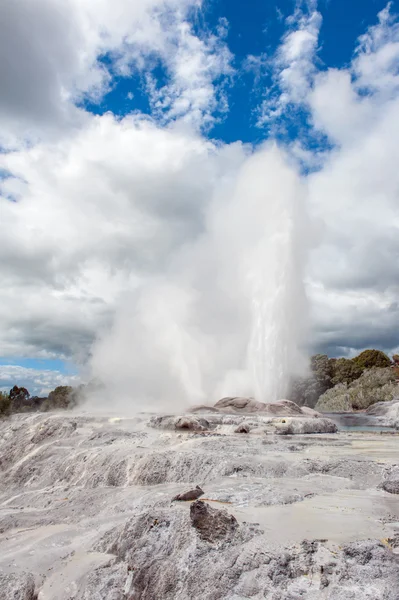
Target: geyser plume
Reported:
[(226, 316)]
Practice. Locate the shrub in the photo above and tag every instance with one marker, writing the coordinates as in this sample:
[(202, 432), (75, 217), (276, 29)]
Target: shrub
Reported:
[(372, 358), (345, 370), (63, 397), (5, 403), (374, 385), (305, 391), (335, 400)]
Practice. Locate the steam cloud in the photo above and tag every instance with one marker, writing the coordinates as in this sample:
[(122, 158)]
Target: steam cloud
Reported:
[(226, 317)]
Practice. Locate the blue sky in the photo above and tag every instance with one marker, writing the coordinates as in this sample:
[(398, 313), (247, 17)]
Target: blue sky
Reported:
[(97, 209), (254, 28)]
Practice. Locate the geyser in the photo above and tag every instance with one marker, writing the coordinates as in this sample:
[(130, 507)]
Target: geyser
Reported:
[(225, 314), (274, 270)]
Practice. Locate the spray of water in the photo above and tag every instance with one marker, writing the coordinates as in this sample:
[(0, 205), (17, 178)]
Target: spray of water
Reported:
[(227, 315)]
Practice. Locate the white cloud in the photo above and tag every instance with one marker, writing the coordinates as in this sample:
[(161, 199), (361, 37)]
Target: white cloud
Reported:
[(195, 66), (293, 65), (37, 382), (353, 193), (54, 52)]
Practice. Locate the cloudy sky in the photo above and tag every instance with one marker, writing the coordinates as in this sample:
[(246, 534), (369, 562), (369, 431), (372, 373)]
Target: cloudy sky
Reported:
[(146, 147)]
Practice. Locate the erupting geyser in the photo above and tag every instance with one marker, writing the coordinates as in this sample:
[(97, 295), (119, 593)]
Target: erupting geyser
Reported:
[(225, 316), (275, 277)]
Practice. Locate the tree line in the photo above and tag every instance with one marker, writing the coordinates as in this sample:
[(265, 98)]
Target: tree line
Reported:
[(345, 384)]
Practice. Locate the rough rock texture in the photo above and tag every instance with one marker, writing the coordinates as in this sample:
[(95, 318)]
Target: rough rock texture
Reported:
[(249, 405), (212, 525), (246, 423), (188, 423), (301, 426), (391, 486), (242, 428), (387, 412), (17, 586), (86, 511)]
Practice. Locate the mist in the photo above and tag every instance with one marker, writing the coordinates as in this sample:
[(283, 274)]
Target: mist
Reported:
[(228, 314)]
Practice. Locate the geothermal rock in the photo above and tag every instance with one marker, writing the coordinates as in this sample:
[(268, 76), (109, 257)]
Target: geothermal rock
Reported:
[(249, 405), (391, 486), (235, 404), (387, 413), (186, 423), (296, 426), (212, 525), (242, 428), (17, 586), (86, 512), (190, 495)]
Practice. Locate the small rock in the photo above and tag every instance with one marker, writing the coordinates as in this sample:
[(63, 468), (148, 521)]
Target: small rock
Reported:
[(212, 525), (190, 495), (391, 486)]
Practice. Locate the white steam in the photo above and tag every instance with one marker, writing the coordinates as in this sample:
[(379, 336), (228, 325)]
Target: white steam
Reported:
[(226, 317)]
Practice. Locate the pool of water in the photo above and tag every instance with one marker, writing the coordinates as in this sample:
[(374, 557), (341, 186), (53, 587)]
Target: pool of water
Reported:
[(372, 428), (359, 422)]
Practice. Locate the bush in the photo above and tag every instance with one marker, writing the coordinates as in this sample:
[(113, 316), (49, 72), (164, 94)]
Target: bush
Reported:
[(5, 403), (374, 385), (345, 370), (372, 358), (63, 397), (305, 391), (335, 400)]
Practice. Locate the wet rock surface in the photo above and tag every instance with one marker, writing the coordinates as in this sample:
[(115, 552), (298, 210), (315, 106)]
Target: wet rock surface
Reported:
[(86, 511)]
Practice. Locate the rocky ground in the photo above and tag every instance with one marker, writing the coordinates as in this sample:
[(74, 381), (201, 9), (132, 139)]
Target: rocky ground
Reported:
[(290, 509)]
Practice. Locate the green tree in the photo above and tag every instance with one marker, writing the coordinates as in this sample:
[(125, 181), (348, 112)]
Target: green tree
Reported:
[(372, 358), (63, 397), (345, 370), (374, 385), (305, 391)]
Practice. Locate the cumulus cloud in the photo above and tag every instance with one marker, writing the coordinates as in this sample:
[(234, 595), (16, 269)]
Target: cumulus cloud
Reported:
[(38, 382), (293, 65), (55, 51), (355, 194)]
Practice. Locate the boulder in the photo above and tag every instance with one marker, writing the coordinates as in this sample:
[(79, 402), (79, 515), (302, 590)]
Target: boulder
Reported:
[(211, 524), (190, 495), (239, 404), (391, 486)]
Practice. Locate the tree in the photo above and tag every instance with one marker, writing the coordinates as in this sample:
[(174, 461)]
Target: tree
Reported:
[(305, 391), (372, 358), (63, 397), (345, 370), (4, 403), (374, 385), (19, 399)]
